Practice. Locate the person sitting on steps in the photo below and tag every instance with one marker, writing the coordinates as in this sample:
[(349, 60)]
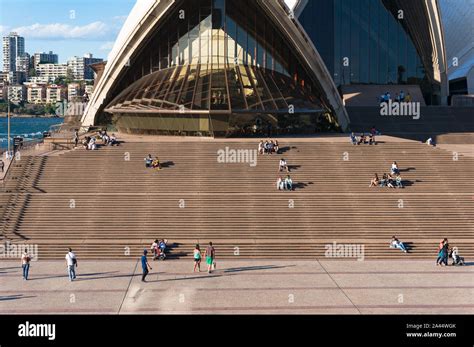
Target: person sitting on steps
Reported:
[(148, 161), (371, 139), (384, 180), (280, 183), (353, 139), (156, 164), (395, 170), (398, 181), (113, 140), (283, 166), (457, 259), (261, 148), (288, 183), (276, 147), (390, 181), (395, 243), (375, 181)]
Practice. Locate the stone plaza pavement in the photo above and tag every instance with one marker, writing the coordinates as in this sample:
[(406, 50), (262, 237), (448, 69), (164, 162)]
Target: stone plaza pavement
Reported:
[(240, 287)]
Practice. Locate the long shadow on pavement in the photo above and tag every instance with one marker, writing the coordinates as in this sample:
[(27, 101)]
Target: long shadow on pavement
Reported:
[(78, 275), (256, 268), (15, 297)]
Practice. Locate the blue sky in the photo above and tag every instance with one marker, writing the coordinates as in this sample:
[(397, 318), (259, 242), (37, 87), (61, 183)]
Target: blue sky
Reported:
[(66, 27)]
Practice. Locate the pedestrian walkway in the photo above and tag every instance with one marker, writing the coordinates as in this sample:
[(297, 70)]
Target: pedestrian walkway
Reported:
[(245, 287)]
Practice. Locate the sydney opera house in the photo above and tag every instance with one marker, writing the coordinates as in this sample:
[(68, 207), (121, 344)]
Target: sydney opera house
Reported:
[(239, 67)]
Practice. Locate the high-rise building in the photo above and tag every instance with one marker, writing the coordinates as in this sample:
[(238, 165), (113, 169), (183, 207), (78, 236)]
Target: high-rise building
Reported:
[(13, 47), (23, 63), (80, 67), (22, 69), (51, 71), (45, 58)]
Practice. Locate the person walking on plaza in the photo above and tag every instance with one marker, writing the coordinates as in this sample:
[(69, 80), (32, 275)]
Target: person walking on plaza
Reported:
[(210, 256), (25, 264), (71, 262), (443, 253), (76, 138), (145, 265), (197, 258), (2, 165)]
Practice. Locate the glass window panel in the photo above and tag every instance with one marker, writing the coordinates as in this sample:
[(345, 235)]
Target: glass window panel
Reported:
[(383, 45), (235, 89), (231, 40), (364, 42), (345, 42), (393, 50), (355, 42), (206, 29), (402, 54), (374, 39)]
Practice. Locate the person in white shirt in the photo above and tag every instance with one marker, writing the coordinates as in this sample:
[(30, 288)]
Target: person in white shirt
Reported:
[(279, 183), (396, 243), (395, 170), (71, 262), (283, 165), (113, 140), (92, 144), (261, 148), (457, 259)]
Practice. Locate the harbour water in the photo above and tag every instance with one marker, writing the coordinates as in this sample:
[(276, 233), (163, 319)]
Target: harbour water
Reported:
[(28, 128)]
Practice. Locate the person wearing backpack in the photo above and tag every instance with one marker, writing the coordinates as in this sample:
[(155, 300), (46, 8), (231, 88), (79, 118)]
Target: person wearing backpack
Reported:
[(71, 262), (25, 264)]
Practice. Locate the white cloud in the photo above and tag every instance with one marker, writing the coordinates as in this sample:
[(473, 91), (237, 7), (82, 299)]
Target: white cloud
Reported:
[(120, 18), (56, 31)]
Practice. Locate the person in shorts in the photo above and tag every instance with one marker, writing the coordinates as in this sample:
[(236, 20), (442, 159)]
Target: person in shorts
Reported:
[(197, 258), (210, 256)]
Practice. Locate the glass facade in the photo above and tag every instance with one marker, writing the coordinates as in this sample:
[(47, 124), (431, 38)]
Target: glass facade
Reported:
[(361, 42), (223, 58)]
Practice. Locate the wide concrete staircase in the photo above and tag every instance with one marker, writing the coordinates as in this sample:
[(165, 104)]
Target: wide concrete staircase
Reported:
[(106, 205)]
